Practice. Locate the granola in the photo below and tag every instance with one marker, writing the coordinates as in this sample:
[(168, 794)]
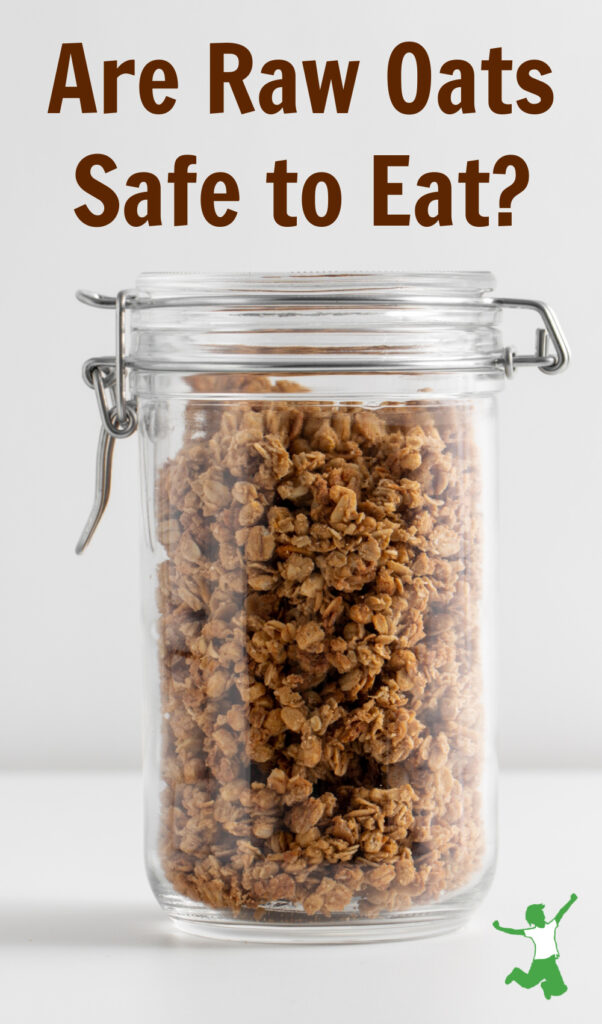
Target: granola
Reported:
[(319, 646)]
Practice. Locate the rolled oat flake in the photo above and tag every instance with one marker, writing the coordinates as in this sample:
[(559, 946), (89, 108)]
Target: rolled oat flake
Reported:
[(319, 514)]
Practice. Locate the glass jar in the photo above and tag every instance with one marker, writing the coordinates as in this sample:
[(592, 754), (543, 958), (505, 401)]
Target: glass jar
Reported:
[(320, 541)]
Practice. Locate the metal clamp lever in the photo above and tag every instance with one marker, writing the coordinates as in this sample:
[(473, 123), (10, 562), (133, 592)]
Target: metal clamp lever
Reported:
[(118, 415), (540, 358)]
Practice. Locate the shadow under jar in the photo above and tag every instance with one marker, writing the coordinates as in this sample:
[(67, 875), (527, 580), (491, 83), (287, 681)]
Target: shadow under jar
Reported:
[(319, 502)]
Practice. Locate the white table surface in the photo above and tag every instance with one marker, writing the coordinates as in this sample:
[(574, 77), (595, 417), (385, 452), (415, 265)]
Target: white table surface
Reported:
[(82, 940)]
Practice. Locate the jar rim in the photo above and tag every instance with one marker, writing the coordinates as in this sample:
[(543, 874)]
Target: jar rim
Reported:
[(256, 289)]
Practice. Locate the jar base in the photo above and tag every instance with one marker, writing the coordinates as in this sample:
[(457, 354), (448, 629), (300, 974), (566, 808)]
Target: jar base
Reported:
[(323, 934), (417, 923)]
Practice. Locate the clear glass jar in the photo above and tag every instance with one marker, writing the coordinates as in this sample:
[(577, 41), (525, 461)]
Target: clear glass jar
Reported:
[(319, 465)]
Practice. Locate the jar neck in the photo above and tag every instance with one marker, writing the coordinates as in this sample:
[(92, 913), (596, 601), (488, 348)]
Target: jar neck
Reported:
[(416, 337)]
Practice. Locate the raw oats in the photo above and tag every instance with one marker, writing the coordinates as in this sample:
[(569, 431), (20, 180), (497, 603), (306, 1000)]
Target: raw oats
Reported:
[(319, 643)]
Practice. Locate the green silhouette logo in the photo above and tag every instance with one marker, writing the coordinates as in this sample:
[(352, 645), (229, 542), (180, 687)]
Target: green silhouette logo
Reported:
[(544, 969)]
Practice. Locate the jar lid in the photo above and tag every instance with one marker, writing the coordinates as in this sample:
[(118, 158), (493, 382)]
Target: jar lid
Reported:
[(441, 321), (304, 321)]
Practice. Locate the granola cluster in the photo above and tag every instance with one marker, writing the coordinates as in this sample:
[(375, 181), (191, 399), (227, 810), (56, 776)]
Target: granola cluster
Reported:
[(318, 622)]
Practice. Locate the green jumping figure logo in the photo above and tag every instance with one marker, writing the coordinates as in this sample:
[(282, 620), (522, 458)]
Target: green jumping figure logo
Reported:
[(544, 967)]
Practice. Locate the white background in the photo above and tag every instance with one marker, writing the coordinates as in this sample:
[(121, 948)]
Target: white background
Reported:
[(94, 947), (71, 663)]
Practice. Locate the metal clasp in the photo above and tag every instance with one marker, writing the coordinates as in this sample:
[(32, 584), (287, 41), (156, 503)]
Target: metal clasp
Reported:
[(551, 330), (118, 415)]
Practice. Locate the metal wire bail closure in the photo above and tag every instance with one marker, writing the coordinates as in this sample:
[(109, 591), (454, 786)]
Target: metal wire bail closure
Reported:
[(551, 330), (118, 415), (102, 379)]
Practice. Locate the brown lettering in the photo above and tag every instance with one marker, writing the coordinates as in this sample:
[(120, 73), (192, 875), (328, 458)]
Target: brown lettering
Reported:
[(210, 196), (72, 54), (308, 199), (281, 178), (541, 89), (395, 78), (465, 84), (96, 189), (495, 67), (111, 72), (149, 83), (383, 188), (440, 199), (286, 84), (472, 178), (319, 88), (180, 178), (151, 197), (219, 77)]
